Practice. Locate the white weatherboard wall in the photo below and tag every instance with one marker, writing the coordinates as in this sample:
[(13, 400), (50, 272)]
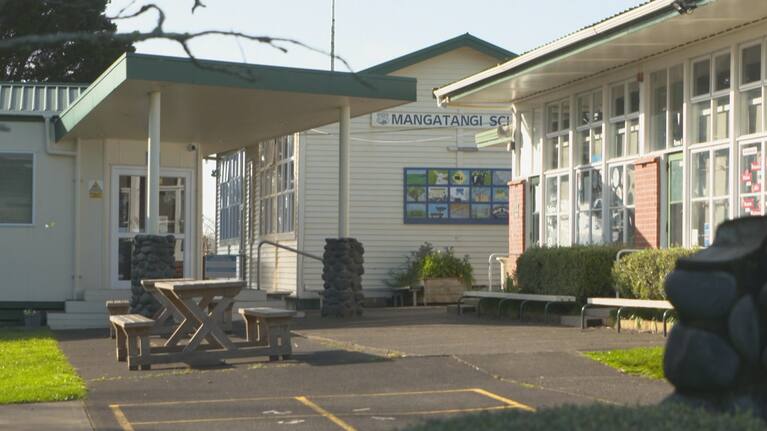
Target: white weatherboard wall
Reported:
[(36, 261), (376, 214)]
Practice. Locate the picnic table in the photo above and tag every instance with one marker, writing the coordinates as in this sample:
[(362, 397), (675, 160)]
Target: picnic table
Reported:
[(162, 318), (189, 300)]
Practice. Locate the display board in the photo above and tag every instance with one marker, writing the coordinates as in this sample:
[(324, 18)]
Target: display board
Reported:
[(456, 196)]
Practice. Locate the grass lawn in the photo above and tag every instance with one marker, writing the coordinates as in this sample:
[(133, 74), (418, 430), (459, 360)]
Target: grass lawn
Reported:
[(640, 361), (33, 369)]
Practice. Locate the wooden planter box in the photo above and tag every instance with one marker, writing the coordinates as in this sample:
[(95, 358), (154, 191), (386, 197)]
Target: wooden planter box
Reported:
[(442, 290)]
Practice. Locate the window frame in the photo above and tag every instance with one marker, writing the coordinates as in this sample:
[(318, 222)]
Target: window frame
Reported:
[(33, 220), (669, 145), (232, 171), (613, 122), (267, 174), (742, 89), (559, 213), (591, 126), (591, 211), (624, 207), (711, 198), (711, 97), (561, 135)]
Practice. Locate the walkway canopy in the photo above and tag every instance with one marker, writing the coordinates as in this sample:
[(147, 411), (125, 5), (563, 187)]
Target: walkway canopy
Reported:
[(222, 106), (653, 28)]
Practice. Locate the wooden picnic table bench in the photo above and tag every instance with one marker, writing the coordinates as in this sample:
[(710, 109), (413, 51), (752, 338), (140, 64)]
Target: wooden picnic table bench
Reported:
[(621, 303), (509, 296), (132, 339), (266, 326), (163, 317)]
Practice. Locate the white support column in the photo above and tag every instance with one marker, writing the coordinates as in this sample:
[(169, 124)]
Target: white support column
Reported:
[(343, 171), (153, 166)]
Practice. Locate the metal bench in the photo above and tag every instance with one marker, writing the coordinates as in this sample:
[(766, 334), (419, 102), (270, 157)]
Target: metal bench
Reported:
[(621, 303), (133, 339), (508, 296), (116, 307), (266, 326)]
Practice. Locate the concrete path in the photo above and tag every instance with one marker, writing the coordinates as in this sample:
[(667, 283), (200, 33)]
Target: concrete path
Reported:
[(390, 369), (62, 416)]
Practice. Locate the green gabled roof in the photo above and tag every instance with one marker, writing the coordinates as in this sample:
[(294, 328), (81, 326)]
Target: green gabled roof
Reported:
[(462, 41)]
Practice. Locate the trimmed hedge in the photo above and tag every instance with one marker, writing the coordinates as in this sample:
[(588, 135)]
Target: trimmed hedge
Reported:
[(641, 274), (599, 417), (581, 271)]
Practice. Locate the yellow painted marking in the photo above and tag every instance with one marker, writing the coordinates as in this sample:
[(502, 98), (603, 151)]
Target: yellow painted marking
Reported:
[(229, 400), (121, 419), (330, 416), (356, 414), (506, 401)]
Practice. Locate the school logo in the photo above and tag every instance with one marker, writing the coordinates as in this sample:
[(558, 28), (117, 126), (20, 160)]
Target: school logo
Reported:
[(382, 118)]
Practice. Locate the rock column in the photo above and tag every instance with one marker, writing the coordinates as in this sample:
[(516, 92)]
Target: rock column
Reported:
[(152, 257), (342, 277), (715, 355)]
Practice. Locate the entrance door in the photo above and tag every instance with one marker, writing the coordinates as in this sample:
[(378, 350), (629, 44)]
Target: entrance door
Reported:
[(674, 225), (129, 213)]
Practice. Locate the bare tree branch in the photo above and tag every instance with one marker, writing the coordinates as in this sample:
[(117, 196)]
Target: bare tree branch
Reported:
[(197, 3)]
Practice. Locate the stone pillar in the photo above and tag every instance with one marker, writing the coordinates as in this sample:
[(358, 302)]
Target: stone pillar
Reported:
[(152, 257), (342, 277), (517, 223), (647, 201)]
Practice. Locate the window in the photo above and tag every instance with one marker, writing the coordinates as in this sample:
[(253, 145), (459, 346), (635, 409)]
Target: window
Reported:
[(589, 128), (675, 208), (751, 179), (710, 194), (534, 208), (276, 179), (558, 210), (16, 188), (589, 210), (558, 135), (711, 99), (456, 196), (751, 97), (666, 104), (624, 119), (621, 209), (230, 194)]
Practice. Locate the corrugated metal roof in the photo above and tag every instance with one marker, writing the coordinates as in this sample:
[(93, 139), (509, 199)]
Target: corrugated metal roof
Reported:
[(37, 98), (591, 25)]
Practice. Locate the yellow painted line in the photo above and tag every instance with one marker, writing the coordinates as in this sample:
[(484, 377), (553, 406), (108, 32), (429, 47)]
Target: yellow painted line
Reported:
[(231, 400), (121, 419), (330, 416), (308, 416), (506, 401)]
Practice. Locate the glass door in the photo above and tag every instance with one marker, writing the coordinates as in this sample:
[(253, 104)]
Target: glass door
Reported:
[(128, 218), (675, 220)]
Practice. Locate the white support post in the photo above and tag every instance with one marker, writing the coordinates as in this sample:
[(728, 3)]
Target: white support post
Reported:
[(343, 172), (153, 166)]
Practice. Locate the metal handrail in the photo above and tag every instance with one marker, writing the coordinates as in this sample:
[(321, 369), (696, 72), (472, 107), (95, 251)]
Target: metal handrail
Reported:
[(277, 245), (490, 269)]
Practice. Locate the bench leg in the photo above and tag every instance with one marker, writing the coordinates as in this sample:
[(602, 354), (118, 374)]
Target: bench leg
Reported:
[(522, 309), (500, 306), (145, 351), (546, 312), (279, 339), (583, 316), (665, 322), (133, 351), (255, 331), (460, 304), (618, 319), (120, 343)]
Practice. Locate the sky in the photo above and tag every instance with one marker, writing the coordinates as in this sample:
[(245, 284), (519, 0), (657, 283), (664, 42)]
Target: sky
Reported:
[(367, 32)]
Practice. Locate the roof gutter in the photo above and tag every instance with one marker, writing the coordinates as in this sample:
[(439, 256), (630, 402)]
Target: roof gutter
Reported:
[(662, 9)]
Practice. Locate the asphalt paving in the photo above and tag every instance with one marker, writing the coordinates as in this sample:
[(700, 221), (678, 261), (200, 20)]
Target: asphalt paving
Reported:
[(387, 370)]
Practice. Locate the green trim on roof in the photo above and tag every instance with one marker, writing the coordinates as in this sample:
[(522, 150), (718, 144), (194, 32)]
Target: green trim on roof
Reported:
[(464, 40), (142, 67)]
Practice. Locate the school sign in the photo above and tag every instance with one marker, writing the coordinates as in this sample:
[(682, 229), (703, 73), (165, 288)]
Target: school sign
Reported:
[(439, 119)]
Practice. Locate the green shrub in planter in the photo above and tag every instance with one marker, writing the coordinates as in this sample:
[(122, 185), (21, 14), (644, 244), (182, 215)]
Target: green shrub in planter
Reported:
[(580, 271), (599, 417), (641, 274), (409, 275), (445, 264)]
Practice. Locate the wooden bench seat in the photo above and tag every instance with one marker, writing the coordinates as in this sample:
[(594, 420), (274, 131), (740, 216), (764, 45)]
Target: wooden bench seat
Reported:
[(133, 332), (116, 307), (267, 326), (524, 298), (621, 303)]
